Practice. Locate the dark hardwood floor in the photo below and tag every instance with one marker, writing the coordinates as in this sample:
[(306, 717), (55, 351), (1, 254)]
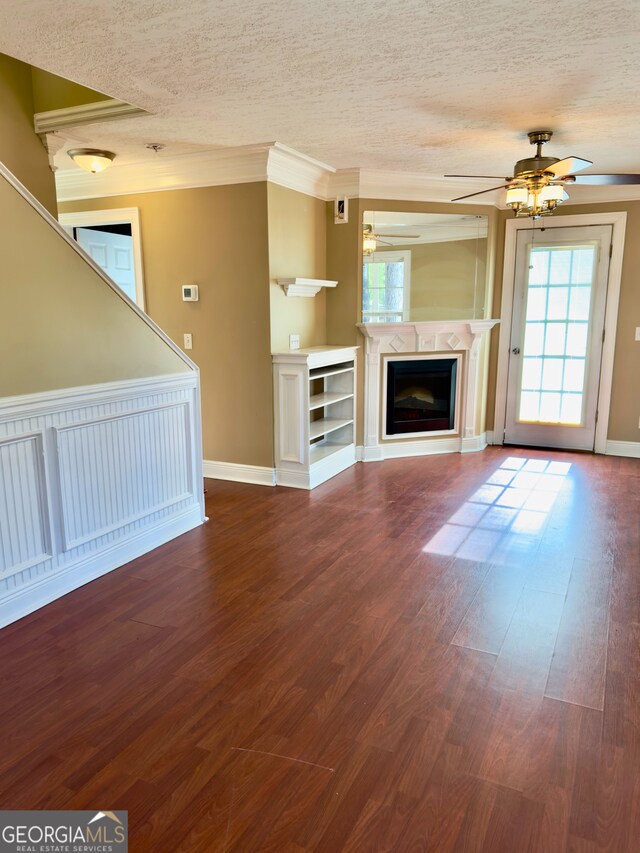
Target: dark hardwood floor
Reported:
[(437, 654)]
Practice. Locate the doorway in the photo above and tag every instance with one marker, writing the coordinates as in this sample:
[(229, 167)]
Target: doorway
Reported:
[(111, 238), (559, 312)]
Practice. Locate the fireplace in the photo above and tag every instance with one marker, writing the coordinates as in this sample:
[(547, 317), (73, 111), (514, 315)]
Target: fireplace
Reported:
[(420, 395)]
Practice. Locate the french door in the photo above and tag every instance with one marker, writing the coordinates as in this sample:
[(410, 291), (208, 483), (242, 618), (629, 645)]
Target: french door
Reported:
[(556, 336)]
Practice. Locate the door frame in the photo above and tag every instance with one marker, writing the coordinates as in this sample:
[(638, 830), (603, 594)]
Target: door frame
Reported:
[(120, 216), (618, 220)]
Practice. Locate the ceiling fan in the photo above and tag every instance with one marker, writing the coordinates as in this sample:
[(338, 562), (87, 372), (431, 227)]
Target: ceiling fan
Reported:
[(371, 238), (537, 185)]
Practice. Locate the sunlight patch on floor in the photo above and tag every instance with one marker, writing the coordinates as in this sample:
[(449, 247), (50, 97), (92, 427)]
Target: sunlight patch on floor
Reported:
[(515, 500)]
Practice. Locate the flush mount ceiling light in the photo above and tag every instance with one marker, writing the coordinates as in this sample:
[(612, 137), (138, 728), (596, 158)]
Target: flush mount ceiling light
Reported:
[(537, 186), (91, 159)]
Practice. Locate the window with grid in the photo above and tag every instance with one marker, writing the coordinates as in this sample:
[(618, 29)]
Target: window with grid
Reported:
[(385, 287), (554, 358)]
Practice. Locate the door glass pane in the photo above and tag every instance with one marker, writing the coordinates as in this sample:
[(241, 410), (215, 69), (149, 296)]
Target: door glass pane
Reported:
[(580, 303), (556, 334), (534, 338), (554, 339), (557, 309), (537, 304), (532, 374), (552, 374)]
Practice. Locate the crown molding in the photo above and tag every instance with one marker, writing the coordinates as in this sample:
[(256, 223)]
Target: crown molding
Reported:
[(269, 161), (408, 186), (289, 168), (286, 167), (108, 110)]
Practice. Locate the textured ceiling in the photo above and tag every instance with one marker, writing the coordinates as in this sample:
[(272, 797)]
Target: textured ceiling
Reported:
[(431, 87)]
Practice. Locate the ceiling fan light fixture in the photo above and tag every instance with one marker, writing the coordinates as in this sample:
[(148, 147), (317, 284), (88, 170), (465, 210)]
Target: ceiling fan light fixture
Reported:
[(92, 159), (552, 192), (369, 244), (517, 196)]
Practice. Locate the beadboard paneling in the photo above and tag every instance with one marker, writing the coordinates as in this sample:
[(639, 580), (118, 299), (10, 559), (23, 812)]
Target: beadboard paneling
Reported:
[(24, 526), (118, 469), (92, 477)]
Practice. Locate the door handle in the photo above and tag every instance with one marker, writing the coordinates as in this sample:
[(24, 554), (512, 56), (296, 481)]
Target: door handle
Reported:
[(516, 350)]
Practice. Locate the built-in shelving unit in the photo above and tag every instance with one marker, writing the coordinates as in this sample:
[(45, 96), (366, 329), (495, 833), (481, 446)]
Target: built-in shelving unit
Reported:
[(314, 414)]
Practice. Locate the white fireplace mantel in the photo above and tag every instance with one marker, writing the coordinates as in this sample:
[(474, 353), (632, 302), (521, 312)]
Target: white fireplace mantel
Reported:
[(442, 336)]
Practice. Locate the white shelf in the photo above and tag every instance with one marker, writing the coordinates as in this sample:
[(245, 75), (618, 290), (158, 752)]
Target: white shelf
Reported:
[(318, 452), (327, 425), (304, 286), (320, 400), (330, 372)]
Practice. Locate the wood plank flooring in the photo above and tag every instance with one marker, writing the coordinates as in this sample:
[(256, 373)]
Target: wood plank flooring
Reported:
[(437, 654)]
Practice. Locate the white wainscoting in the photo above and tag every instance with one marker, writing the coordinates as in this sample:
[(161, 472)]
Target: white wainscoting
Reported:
[(91, 478)]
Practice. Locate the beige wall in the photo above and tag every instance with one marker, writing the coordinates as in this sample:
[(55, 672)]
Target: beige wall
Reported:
[(297, 248), (625, 397), (20, 149), (51, 92), (61, 325), (344, 263), (217, 238), (448, 279)]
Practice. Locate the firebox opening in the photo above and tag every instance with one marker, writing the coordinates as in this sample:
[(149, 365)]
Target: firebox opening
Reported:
[(421, 395)]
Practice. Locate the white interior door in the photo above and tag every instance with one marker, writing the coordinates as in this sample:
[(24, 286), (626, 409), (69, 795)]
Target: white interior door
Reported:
[(112, 252), (556, 336)]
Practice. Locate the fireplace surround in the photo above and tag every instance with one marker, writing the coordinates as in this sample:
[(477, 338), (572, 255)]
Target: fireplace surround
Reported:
[(463, 340)]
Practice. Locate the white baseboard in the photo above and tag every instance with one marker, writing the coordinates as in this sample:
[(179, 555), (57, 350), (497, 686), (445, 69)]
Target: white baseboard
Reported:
[(369, 454), (318, 472), (237, 473), (623, 448), (402, 449), (48, 588), (474, 444), (489, 435)]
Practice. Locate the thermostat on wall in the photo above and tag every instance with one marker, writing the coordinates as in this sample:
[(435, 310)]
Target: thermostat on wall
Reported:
[(189, 292)]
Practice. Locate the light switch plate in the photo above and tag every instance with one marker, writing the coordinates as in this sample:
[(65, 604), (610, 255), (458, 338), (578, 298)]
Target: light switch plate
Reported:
[(638, 333), (188, 341), (294, 341)]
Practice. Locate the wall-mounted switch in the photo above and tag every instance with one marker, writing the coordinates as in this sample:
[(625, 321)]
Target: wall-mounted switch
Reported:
[(188, 341), (294, 341), (638, 333)]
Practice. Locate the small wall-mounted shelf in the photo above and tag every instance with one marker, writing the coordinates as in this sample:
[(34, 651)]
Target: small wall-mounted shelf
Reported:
[(314, 414), (304, 286)]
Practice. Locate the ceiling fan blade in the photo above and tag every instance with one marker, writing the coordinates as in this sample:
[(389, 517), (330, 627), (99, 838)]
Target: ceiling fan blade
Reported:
[(501, 187), (568, 166), (489, 177), (398, 236), (603, 180)]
